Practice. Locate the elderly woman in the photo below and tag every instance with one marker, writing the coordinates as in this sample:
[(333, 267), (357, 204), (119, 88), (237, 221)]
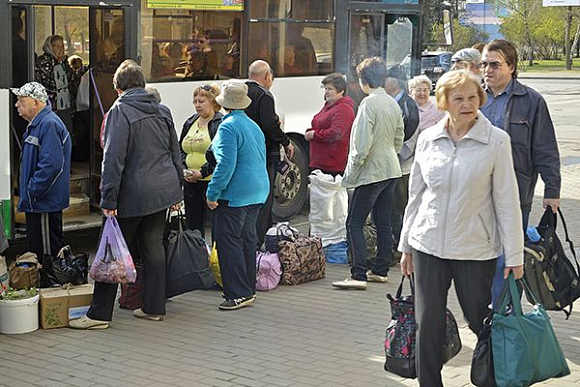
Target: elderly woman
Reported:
[(238, 188), (53, 71), (463, 211), (429, 115), (372, 170), (196, 136), (330, 131), (141, 179)]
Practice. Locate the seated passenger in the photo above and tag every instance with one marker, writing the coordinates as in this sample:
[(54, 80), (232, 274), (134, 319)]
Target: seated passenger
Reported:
[(195, 60), (290, 62)]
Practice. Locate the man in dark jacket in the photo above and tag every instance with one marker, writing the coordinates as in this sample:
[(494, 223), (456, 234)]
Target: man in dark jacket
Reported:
[(396, 87), (44, 172), (522, 112), (263, 113)]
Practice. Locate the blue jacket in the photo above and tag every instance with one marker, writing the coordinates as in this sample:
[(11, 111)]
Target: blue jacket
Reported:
[(45, 165), (240, 151)]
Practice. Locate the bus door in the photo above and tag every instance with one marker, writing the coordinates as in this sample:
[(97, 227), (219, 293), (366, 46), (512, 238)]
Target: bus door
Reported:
[(98, 36)]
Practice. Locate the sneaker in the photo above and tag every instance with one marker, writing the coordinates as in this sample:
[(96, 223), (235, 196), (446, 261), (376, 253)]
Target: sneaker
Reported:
[(153, 317), (350, 283), (371, 277), (236, 303), (88, 323)]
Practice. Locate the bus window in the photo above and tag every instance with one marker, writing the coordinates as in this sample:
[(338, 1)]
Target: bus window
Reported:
[(399, 39), (293, 48), (292, 9), (174, 40)]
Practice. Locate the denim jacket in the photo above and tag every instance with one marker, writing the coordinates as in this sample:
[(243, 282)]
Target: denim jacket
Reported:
[(463, 197)]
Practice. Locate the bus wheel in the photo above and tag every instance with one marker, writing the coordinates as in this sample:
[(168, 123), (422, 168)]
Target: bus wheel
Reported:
[(290, 191)]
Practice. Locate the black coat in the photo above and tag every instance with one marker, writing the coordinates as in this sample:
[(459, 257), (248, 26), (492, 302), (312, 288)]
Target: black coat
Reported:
[(410, 115), (212, 127)]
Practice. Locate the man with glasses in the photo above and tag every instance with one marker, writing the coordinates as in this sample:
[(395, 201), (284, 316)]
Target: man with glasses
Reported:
[(522, 112)]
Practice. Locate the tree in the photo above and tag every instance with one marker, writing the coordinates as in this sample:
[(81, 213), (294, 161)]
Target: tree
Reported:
[(524, 10), (464, 35)]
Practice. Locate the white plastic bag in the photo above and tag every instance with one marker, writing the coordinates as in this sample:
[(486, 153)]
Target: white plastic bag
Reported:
[(328, 207)]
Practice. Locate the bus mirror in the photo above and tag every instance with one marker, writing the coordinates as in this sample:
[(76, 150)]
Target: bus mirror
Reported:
[(448, 27), (441, 31)]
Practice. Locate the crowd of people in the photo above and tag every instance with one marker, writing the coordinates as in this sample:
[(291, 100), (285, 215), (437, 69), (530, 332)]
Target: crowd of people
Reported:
[(448, 184)]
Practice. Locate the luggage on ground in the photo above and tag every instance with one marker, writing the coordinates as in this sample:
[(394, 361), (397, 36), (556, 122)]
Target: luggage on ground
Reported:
[(214, 264), (268, 270), (336, 252), (328, 207), (24, 272), (280, 232), (302, 260), (131, 293)]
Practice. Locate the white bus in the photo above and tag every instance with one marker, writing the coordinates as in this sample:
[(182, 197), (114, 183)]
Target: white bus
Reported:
[(303, 40)]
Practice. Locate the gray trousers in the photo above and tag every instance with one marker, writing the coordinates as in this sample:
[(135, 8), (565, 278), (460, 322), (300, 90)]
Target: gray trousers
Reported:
[(433, 275)]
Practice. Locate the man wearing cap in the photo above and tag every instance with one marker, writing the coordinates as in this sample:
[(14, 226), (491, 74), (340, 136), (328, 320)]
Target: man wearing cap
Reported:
[(396, 87), (467, 59), (44, 170), (238, 188)]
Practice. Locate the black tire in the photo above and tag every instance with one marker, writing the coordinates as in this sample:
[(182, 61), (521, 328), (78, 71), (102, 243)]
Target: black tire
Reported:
[(291, 189)]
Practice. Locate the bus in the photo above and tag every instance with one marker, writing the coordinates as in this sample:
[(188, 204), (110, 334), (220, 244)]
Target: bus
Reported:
[(303, 40)]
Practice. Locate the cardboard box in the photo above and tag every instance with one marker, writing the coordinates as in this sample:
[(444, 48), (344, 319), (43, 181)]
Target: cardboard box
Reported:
[(59, 305)]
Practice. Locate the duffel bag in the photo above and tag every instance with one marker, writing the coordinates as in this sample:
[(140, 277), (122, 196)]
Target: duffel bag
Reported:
[(302, 260), (268, 271)]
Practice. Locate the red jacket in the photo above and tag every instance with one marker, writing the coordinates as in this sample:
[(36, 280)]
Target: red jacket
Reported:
[(331, 126)]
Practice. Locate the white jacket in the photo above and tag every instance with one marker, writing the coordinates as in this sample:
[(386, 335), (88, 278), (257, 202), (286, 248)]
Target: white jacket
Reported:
[(463, 198)]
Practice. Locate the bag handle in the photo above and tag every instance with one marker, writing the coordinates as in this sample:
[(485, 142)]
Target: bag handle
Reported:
[(510, 295), (570, 243), (400, 288)]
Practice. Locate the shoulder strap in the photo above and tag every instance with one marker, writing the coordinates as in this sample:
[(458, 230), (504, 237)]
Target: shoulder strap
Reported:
[(570, 243)]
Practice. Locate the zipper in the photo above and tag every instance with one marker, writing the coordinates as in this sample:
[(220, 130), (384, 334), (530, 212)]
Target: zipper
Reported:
[(485, 228), (453, 156)]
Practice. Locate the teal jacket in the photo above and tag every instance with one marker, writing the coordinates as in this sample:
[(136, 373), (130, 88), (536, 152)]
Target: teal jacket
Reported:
[(240, 175)]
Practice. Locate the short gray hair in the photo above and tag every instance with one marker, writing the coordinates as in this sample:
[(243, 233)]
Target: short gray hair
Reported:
[(420, 79), (129, 75)]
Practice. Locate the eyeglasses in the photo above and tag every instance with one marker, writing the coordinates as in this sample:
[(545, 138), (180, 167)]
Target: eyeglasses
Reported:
[(493, 65)]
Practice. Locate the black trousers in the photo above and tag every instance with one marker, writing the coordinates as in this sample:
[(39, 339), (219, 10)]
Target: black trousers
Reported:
[(44, 233), (400, 200), (196, 210), (235, 229), (433, 275), (149, 233), (265, 220)]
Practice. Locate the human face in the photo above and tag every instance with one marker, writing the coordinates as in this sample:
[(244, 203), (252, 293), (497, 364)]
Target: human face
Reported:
[(469, 66), (392, 86), (331, 95), (463, 104), (203, 106), (27, 107), (420, 94), (497, 74), (58, 49)]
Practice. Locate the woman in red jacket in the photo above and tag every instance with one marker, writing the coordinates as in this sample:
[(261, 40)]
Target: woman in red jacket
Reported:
[(330, 133)]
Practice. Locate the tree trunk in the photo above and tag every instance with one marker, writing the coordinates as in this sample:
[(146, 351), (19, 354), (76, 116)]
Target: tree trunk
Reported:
[(567, 45), (575, 43)]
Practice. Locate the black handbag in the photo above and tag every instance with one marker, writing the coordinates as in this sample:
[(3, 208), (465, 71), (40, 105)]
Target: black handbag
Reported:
[(65, 268), (187, 262), (482, 371), (400, 336)]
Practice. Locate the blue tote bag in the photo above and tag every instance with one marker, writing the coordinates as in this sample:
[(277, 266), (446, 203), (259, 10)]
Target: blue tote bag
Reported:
[(525, 348)]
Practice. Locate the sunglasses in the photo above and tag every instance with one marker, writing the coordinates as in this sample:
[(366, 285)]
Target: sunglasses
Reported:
[(206, 87), (493, 65)]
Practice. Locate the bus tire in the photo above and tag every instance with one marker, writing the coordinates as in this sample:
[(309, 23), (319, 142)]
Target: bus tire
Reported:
[(291, 188)]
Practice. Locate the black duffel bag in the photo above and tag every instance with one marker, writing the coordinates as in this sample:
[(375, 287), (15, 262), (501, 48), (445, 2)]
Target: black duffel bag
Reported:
[(187, 262), (65, 268)]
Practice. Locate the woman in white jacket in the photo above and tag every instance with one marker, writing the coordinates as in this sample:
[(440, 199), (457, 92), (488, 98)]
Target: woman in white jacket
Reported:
[(463, 212)]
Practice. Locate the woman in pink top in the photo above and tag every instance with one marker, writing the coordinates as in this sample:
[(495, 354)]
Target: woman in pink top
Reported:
[(419, 89)]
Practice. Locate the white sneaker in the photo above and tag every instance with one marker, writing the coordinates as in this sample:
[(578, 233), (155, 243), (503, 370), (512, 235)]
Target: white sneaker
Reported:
[(375, 278), (350, 283)]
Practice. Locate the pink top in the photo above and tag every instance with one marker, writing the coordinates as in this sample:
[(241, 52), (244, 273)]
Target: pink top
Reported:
[(429, 115)]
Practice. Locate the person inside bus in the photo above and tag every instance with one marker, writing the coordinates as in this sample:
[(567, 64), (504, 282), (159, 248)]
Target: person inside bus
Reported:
[(305, 56), (372, 170), (329, 134), (141, 179), (195, 62), (54, 73), (196, 135), (81, 114), (227, 67), (290, 62), (210, 57)]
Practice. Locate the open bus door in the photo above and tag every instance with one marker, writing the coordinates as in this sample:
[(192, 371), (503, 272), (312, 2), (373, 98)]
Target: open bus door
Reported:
[(99, 33)]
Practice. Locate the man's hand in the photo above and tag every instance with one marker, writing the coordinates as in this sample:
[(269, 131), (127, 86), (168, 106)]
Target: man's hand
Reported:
[(309, 136), (109, 213), (517, 270), (553, 203), (212, 205), (407, 264), (289, 150), (175, 207)]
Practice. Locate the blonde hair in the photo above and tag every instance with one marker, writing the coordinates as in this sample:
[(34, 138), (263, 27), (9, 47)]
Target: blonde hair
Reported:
[(418, 80), (210, 92), (452, 80)]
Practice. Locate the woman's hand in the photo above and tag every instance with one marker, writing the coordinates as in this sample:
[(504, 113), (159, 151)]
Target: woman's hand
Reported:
[(517, 270), (407, 264), (175, 207), (192, 175), (212, 205), (109, 213), (309, 135)]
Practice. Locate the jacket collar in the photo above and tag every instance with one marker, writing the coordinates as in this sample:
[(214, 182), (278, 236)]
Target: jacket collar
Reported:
[(378, 91), (480, 131), (36, 120)]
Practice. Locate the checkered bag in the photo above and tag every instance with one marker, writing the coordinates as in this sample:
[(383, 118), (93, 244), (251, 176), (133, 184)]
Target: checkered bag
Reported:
[(302, 260)]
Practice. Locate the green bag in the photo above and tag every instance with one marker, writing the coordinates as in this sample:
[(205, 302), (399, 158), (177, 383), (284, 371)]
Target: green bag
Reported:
[(525, 348)]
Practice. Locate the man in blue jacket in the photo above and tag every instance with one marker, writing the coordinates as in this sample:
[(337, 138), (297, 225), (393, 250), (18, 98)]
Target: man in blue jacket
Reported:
[(44, 170)]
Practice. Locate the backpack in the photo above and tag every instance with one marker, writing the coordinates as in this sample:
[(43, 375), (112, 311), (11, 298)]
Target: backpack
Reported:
[(268, 271), (551, 276)]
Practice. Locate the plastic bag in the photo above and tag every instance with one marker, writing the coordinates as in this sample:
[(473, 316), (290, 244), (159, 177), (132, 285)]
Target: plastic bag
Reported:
[(113, 262), (65, 268), (328, 207), (214, 265)]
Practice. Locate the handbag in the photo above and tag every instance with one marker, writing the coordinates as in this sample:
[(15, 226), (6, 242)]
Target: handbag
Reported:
[(131, 293), (187, 262), (401, 335), (113, 262), (68, 268), (302, 260), (280, 232), (268, 270), (24, 272), (482, 373), (525, 348)]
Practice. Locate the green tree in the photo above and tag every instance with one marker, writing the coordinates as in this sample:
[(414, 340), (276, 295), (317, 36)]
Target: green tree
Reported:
[(463, 35)]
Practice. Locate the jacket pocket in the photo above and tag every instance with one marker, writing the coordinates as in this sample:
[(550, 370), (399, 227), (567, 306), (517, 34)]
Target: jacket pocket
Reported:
[(520, 131), (485, 228)]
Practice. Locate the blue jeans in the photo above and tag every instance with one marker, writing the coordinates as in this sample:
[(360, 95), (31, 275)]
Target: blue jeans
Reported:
[(378, 198), (498, 280)]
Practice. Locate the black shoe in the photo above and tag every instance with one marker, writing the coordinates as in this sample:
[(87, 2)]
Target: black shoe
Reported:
[(236, 303)]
